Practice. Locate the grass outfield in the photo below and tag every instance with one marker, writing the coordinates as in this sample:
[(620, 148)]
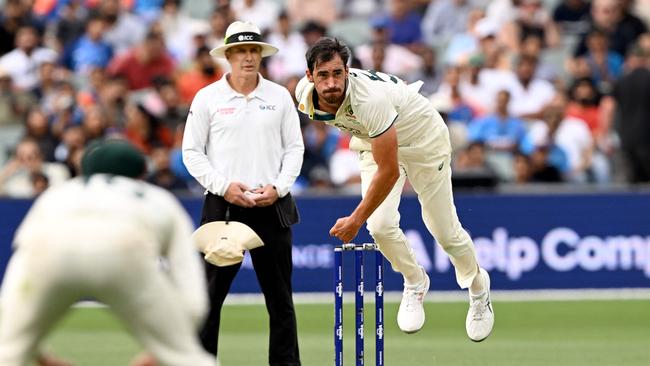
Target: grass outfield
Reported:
[(526, 333)]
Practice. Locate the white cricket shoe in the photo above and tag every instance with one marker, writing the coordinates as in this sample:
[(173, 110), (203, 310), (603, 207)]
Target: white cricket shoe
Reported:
[(480, 317), (410, 317)]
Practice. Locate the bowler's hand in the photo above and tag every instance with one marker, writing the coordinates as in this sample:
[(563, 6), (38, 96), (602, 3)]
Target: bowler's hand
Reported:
[(235, 195), (268, 196), (345, 229)]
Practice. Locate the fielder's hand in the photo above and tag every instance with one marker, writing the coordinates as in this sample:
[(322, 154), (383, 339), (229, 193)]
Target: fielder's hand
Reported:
[(50, 360), (345, 229), (235, 194), (144, 359)]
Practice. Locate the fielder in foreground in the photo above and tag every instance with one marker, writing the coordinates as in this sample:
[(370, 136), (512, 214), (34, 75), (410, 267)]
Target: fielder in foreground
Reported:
[(398, 134), (103, 236)]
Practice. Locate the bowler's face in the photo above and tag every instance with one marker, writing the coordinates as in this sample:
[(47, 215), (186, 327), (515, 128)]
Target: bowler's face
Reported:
[(329, 80), (245, 59)]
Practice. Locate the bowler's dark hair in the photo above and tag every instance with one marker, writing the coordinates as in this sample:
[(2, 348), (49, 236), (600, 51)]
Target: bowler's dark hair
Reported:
[(324, 50)]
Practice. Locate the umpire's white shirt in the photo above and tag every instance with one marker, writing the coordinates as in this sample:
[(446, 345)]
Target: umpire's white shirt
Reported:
[(254, 139)]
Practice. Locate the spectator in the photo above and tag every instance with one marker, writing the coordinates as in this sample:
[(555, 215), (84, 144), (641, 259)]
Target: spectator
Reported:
[(219, 20), (572, 16), (541, 170), (183, 34), (320, 142), (204, 71), (344, 168), (449, 95), (464, 44), (289, 60), (605, 66), (140, 65), (573, 137), (172, 111), (161, 173), (69, 23), (584, 104), (529, 95), (473, 87), (112, 97), (64, 111), (621, 28), (532, 19), (14, 103), (397, 59), (632, 115), (48, 76), (521, 168), (14, 15), (90, 50), (444, 19), (501, 134), (125, 30), (471, 168), (500, 131), (144, 130), (73, 140), (500, 12), (94, 123), (428, 73), (532, 46), (15, 176), (40, 183), (404, 24), (312, 31), (37, 127), (322, 12), (23, 62), (263, 13)]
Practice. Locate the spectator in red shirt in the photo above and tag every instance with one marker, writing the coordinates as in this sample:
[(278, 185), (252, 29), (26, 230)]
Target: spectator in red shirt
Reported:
[(584, 104), (144, 130), (204, 71), (140, 65)]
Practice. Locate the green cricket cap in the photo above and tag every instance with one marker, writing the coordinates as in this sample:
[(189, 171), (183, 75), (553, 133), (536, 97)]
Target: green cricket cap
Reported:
[(116, 157)]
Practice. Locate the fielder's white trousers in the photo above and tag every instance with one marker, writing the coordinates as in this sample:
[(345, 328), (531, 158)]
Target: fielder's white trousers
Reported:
[(43, 281), (426, 164)]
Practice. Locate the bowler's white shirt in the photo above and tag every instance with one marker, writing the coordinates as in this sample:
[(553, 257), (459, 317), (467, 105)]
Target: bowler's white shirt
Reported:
[(132, 217), (374, 102), (254, 139)]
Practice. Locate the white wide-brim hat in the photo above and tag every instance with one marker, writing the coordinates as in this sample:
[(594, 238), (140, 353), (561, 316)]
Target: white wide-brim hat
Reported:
[(223, 243), (239, 33)]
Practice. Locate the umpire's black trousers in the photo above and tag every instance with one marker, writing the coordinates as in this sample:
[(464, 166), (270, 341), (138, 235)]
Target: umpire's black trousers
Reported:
[(272, 264)]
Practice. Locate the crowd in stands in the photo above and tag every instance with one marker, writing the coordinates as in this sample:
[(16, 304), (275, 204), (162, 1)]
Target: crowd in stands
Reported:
[(532, 90)]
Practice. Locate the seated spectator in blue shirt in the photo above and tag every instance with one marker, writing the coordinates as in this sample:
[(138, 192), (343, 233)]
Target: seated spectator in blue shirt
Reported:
[(606, 66), (403, 24), (498, 131), (89, 51)]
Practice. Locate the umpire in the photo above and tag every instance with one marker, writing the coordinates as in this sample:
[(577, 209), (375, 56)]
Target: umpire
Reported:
[(243, 144)]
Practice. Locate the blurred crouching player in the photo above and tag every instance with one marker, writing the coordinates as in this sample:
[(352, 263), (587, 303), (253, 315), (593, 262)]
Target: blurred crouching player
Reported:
[(102, 236)]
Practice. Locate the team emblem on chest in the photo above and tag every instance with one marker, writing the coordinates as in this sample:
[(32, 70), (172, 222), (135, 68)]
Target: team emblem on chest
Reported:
[(349, 114)]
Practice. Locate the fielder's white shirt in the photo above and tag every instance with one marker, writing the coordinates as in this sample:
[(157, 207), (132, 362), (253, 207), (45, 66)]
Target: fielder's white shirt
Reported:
[(375, 101), (254, 139), (131, 216)]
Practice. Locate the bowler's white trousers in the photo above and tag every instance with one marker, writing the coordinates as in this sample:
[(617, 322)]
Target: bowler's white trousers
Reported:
[(43, 281), (426, 164)]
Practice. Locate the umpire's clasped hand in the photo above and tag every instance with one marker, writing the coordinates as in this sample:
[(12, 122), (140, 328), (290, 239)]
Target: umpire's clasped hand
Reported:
[(239, 194)]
